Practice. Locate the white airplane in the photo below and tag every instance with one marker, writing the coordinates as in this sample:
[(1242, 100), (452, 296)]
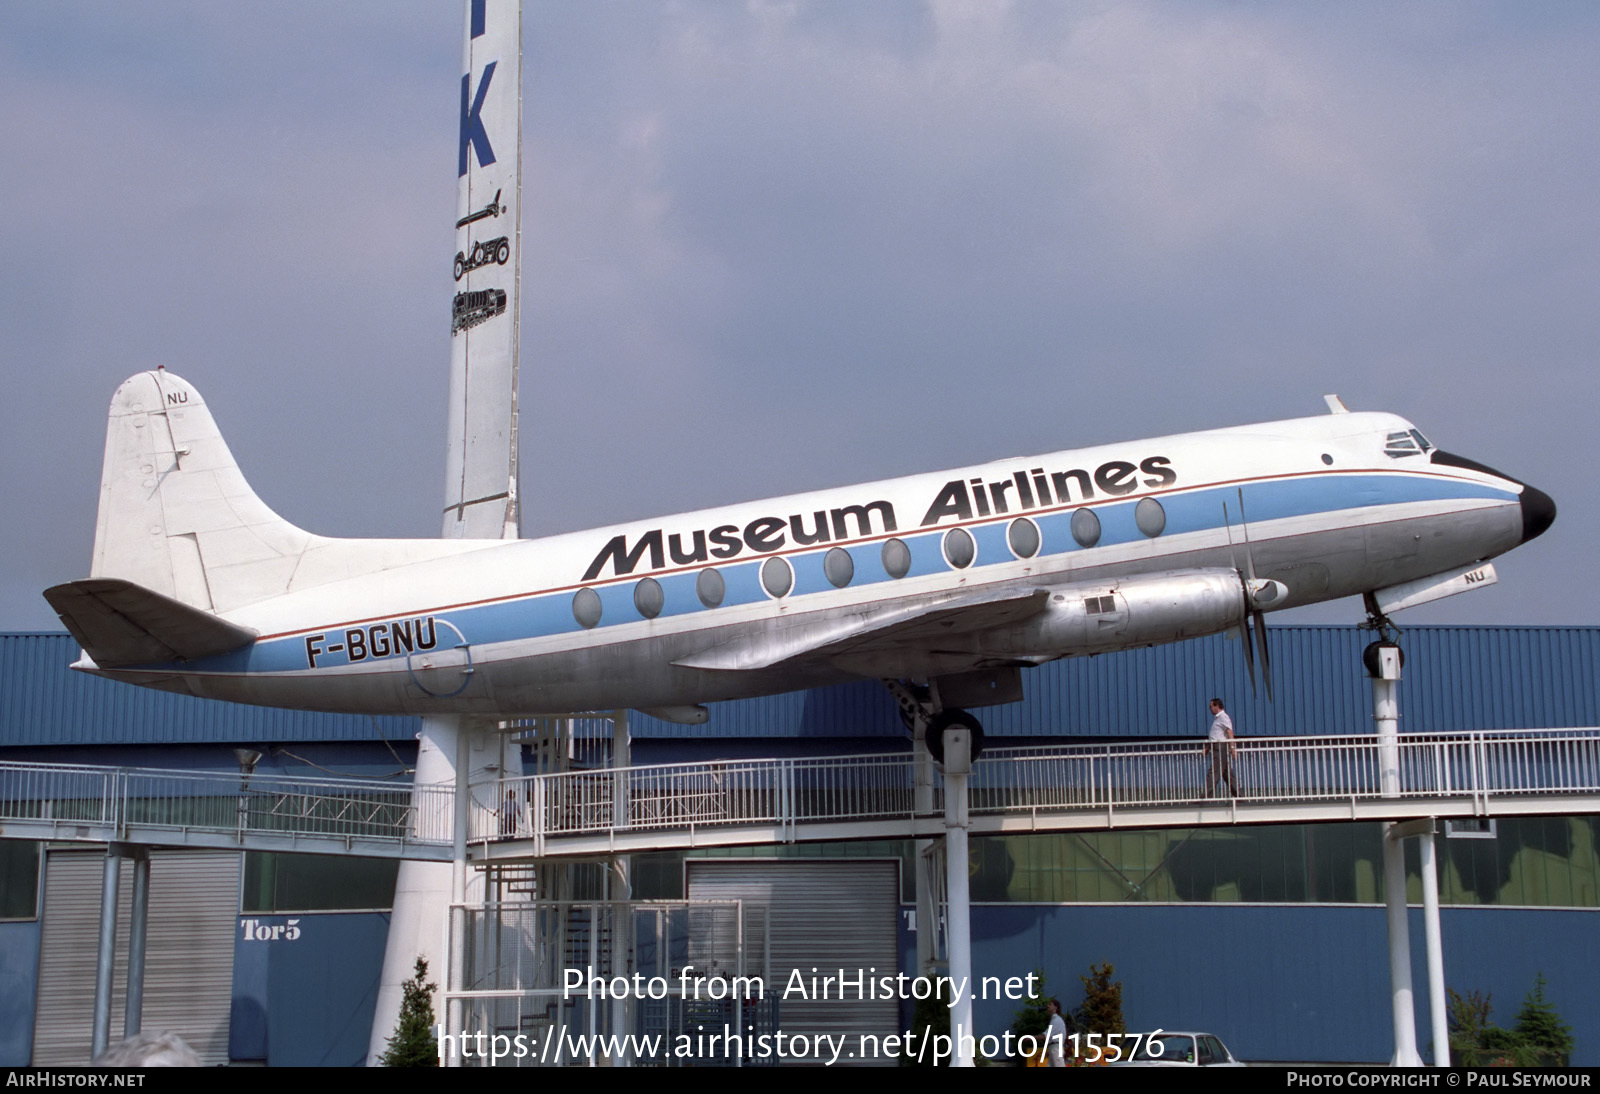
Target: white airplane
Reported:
[(954, 580)]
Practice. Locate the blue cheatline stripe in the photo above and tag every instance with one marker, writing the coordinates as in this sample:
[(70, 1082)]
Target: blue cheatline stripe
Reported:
[(539, 615)]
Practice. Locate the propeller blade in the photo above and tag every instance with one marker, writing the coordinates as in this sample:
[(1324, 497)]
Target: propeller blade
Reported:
[(1256, 592), (1245, 594), (1227, 524), (1249, 653), (1266, 657), (1244, 527)]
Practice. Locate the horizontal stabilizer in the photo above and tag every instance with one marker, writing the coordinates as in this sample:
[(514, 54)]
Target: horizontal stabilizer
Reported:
[(916, 623), (119, 623), (1428, 589)]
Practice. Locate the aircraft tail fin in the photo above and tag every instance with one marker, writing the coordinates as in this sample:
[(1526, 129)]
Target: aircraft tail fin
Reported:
[(176, 515), (178, 520), (119, 623)]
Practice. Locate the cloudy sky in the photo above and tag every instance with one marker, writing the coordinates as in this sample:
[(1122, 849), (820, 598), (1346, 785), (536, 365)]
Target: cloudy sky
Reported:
[(781, 246)]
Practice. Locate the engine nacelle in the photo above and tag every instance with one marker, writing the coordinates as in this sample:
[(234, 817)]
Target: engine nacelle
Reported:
[(1100, 616)]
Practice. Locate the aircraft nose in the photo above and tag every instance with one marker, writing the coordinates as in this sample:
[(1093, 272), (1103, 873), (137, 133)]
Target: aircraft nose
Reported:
[(1538, 512)]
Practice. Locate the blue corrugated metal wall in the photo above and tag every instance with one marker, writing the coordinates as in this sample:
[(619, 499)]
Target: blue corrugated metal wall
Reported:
[(19, 976), (1182, 965), (308, 1001), (43, 702), (1455, 678)]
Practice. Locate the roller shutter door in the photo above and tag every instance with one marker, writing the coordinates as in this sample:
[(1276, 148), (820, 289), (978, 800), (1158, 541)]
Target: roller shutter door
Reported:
[(188, 972), (824, 915)]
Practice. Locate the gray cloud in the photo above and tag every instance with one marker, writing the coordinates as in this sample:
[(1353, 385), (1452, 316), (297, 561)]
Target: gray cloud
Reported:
[(780, 246)]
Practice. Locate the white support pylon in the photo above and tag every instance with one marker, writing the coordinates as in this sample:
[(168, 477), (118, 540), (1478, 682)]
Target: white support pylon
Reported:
[(1386, 713), (958, 930), (927, 921), (1440, 1018), (1402, 996), (419, 926)]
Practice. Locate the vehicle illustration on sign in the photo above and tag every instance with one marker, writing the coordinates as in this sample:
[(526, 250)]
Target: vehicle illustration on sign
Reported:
[(493, 209), (474, 307), (483, 254)]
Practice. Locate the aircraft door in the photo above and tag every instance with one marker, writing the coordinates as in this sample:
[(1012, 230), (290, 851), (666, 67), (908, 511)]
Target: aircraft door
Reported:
[(443, 669)]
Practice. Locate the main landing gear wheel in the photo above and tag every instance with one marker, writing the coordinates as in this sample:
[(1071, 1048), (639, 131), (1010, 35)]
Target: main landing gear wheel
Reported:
[(952, 719)]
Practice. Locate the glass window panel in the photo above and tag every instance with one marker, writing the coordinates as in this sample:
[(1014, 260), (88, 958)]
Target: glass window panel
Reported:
[(648, 597), (839, 567), (1086, 527), (278, 882), (586, 607), (896, 558), (776, 577), (710, 588), (19, 879), (1023, 537), (959, 549)]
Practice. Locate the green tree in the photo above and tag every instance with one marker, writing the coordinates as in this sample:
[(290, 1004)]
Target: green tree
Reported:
[(413, 1043), (1540, 1037), (1469, 1026), (1541, 1029), (1102, 1002)]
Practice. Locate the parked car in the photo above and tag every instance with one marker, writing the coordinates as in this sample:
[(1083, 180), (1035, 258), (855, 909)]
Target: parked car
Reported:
[(1167, 1048)]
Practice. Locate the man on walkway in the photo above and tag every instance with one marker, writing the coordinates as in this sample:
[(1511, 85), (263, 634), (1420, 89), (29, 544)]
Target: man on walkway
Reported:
[(1220, 750)]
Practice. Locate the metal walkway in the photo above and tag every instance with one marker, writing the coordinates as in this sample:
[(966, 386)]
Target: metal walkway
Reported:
[(585, 814), (79, 803), (1283, 780)]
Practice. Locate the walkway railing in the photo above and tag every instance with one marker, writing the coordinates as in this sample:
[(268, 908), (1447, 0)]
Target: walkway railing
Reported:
[(67, 801), (1288, 770), (1268, 780), (1472, 768)]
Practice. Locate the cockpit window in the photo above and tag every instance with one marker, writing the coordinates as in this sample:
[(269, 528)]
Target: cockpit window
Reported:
[(1405, 443), (1400, 444)]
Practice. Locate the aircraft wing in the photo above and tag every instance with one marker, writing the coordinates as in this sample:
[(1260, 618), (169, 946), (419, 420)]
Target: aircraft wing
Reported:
[(873, 628), (120, 623)]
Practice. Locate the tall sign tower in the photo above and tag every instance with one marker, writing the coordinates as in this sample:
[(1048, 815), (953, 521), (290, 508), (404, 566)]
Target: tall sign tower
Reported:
[(481, 458), (481, 466)]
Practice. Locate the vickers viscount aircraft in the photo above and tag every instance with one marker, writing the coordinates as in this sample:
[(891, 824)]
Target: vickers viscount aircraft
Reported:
[(952, 581)]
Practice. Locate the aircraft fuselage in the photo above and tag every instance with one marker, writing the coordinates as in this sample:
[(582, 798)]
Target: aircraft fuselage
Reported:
[(1119, 545)]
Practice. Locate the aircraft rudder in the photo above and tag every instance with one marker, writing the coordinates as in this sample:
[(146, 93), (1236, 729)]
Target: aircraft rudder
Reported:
[(174, 506)]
